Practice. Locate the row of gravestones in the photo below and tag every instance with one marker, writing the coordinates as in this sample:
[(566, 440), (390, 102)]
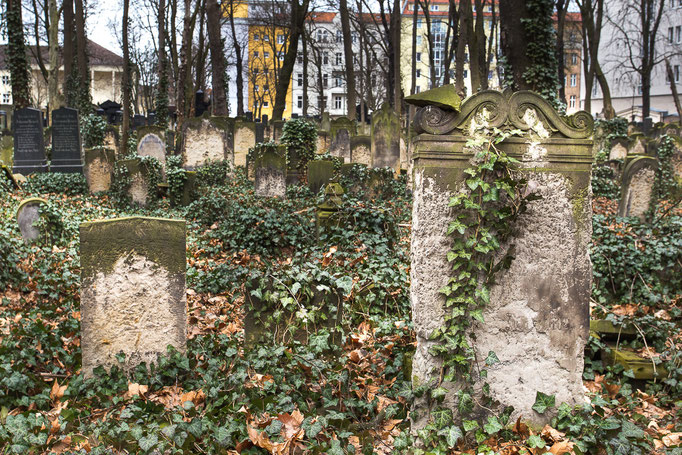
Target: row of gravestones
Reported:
[(29, 146), (634, 161)]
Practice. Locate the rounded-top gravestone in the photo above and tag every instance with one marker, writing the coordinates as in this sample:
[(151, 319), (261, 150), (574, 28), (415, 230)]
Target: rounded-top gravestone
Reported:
[(28, 214)]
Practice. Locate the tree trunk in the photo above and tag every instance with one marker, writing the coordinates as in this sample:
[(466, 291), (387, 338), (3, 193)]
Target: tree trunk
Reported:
[(348, 55), (18, 62), (69, 51), (473, 40), (200, 69), (562, 9), (54, 100), (161, 108), (217, 58), (305, 75), (608, 110), (415, 17), (125, 82), (479, 60), (85, 97), (239, 62), (298, 14), (513, 41), (183, 108), (461, 49), (673, 88), (397, 88)]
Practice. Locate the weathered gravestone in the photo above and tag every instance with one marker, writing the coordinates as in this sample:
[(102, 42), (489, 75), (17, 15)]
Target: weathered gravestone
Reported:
[(244, 139), (619, 150), (638, 144), (99, 169), (325, 122), (537, 319), (152, 142), (327, 211), (260, 132), (277, 129), (138, 189), (294, 172), (341, 145), (29, 144), (320, 173), (28, 213), (386, 138), (637, 190), (66, 141), (206, 139), (342, 123), (270, 171), (322, 141), (6, 148), (360, 150), (132, 291)]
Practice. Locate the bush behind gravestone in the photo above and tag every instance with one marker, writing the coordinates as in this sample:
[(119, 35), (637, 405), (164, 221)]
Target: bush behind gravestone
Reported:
[(93, 130)]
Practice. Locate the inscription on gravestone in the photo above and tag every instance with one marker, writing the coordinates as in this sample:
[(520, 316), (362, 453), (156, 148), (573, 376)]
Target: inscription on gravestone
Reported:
[(29, 147), (66, 141)]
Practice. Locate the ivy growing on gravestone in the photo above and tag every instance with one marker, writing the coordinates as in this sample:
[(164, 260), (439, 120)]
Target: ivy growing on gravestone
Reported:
[(300, 135), (176, 177), (666, 185), (151, 169), (486, 210), (93, 130)]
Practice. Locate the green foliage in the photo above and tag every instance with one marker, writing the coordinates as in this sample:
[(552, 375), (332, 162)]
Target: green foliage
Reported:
[(70, 184), (161, 102), (50, 223), (214, 174), (604, 183), (151, 171), (17, 56), (93, 129), (300, 135), (666, 186), (542, 72)]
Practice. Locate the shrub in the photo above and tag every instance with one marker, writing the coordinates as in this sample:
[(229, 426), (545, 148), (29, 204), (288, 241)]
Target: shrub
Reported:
[(69, 184), (93, 129)]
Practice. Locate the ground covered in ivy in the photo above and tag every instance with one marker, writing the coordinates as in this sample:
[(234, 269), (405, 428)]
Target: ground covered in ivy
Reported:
[(343, 388)]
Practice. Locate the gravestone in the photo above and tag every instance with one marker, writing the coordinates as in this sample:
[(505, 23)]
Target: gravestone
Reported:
[(139, 190), (248, 116), (260, 132), (270, 172), (6, 149), (638, 144), (342, 123), (277, 128), (386, 138), (152, 142), (322, 142), (294, 171), (360, 150), (132, 291), (66, 141), (327, 212), (206, 139), (320, 173), (325, 123), (29, 145), (637, 190), (138, 121), (619, 149), (341, 145), (28, 213), (244, 139), (99, 169), (111, 138), (537, 318)]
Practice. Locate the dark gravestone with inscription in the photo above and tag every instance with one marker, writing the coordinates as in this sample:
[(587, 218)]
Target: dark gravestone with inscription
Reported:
[(66, 141), (29, 145)]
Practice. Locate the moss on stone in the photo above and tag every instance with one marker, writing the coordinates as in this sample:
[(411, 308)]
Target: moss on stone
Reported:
[(103, 242), (444, 97)]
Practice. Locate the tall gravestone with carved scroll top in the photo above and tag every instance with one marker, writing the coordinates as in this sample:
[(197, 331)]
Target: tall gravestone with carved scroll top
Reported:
[(537, 318)]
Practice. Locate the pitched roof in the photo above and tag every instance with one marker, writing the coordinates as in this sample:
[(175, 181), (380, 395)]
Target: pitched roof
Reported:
[(98, 55)]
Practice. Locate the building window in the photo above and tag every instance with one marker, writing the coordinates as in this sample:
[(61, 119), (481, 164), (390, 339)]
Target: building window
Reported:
[(670, 34), (594, 90), (280, 55), (266, 87), (419, 56), (418, 73), (266, 54), (255, 88), (325, 58), (299, 58), (280, 39), (325, 80), (419, 22), (5, 98), (678, 34), (299, 101), (299, 79), (490, 75), (417, 89), (266, 104), (338, 58), (676, 71), (571, 102), (419, 40), (574, 59), (256, 37), (338, 102), (353, 36), (434, 8), (266, 38), (466, 74), (337, 81), (5, 80), (574, 80), (255, 54), (339, 36)]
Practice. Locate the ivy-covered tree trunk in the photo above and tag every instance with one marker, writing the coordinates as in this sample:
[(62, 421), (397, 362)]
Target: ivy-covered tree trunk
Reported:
[(348, 56), (217, 58), (184, 86), (18, 61), (83, 87), (528, 44), (125, 82), (68, 55), (161, 106)]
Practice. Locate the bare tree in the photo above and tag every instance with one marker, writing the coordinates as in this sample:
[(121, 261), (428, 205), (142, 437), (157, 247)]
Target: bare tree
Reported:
[(217, 58), (348, 56), (239, 57), (126, 82)]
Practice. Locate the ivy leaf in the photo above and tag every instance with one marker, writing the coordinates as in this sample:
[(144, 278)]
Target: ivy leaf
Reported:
[(492, 359), (543, 402), (453, 435), (148, 442), (439, 393), (536, 442), (478, 315), (442, 417), (469, 425), (493, 425)]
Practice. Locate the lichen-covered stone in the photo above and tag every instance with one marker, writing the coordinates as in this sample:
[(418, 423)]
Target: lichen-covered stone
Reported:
[(244, 139), (537, 321), (152, 142), (340, 146), (320, 172), (444, 97), (386, 138), (138, 191), (132, 291), (206, 139), (360, 150), (323, 141), (637, 191), (270, 172), (99, 169), (28, 213)]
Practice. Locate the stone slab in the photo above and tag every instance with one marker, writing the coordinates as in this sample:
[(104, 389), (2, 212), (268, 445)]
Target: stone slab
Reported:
[(29, 143), (66, 141)]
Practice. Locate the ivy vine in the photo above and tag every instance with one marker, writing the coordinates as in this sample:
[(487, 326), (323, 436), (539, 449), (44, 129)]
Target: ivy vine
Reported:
[(151, 170)]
